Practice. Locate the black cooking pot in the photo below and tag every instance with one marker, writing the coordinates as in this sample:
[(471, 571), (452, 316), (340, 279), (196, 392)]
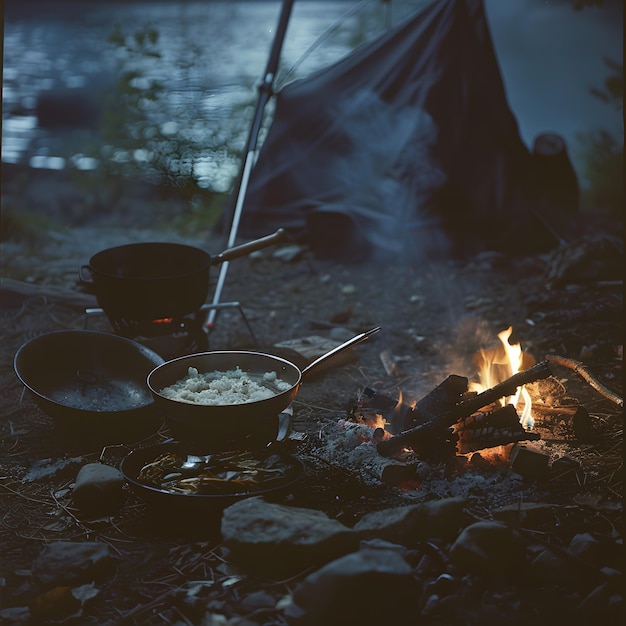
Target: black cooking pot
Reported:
[(92, 383), (148, 281)]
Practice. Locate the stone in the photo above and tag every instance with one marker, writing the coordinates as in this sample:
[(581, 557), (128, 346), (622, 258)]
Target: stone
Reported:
[(72, 563), (278, 539), (16, 615), (488, 548), (407, 525), (585, 546), (552, 568), (98, 488), (313, 347), (365, 587), (258, 600)]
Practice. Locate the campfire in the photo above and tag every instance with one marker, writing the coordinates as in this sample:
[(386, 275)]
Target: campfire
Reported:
[(459, 416), (459, 421)]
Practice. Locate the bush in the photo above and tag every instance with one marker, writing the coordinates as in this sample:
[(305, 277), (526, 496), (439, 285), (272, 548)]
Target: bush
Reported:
[(601, 153), (21, 226), (603, 168)]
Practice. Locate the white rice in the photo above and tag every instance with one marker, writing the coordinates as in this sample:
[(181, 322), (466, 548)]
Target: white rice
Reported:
[(223, 388)]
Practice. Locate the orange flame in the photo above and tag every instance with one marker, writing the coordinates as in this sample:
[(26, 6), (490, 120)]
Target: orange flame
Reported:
[(495, 366)]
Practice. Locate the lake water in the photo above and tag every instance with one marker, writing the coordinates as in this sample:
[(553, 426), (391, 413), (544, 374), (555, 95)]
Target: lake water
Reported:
[(213, 53)]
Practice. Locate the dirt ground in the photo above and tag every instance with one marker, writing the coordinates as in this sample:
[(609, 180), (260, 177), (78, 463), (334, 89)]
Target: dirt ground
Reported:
[(433, 317)]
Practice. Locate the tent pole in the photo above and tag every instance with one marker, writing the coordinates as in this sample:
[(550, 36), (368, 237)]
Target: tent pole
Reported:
[(250, 151)]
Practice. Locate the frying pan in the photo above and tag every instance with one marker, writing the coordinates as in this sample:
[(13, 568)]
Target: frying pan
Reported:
[(153, 280), (132, 464), (92, 382), (244, 426)]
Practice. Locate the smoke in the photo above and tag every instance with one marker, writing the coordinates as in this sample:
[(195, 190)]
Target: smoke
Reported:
[(386, 172)]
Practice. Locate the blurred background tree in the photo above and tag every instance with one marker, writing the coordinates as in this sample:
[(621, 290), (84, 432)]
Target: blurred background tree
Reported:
[(602, 154)]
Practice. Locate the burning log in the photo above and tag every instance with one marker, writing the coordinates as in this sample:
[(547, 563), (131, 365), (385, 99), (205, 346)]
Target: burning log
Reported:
[(401, 416), (488, 430), (495, 438), (444, 397), (435, 429), (504, 417)]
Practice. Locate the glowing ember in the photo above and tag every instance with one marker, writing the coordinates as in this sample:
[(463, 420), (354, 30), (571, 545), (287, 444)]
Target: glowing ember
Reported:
[(495, 366), (372, 419)]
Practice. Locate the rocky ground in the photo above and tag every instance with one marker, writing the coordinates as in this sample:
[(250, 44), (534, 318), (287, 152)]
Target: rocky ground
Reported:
[(182, 568)]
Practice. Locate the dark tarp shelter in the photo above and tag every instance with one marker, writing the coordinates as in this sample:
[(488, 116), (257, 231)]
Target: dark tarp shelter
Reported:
[(405, 146)]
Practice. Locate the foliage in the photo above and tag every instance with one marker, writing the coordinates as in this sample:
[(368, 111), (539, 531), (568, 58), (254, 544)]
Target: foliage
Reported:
[(202, 209), (613, 92), (602, 154), (23, 226), (603, 166), (148, 136), (134, 139)]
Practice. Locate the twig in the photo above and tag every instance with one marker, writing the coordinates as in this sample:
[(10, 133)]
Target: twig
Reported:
[(582, 371), (9, 411), (140, 609), (25, 497)]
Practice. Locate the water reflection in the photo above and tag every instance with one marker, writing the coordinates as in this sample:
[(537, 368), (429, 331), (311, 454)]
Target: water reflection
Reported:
[(65, 64)]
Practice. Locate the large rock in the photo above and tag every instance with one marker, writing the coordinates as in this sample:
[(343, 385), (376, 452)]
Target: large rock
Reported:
[(439, 519), (366, 587), (488, 548), (72, 563), (273, 538)]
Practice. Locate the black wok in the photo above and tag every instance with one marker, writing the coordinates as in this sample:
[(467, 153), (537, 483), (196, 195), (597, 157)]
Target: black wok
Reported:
[(228, 426), (92, 382), (153, 280)]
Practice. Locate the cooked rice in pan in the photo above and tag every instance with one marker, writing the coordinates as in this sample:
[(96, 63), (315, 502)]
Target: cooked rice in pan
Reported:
[(224, 388)]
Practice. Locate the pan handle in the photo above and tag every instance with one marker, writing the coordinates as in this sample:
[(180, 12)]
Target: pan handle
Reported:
[(84, 274), (340, 348), (251, 246)]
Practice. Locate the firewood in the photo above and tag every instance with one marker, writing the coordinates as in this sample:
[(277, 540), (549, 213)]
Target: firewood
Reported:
[(442, 398), (49, 292), (387, 473), (503, 417), (582, 371), (494, 438), (563, 411), (401, 416), (393, 410), (414, 436), (375, 400)]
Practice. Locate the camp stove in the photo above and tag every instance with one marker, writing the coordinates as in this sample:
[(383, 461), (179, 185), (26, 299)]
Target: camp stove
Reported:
[(155, 292), (169, 336)]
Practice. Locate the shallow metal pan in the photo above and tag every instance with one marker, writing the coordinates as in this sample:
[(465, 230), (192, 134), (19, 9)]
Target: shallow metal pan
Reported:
[(247, 425), (91, 382)]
